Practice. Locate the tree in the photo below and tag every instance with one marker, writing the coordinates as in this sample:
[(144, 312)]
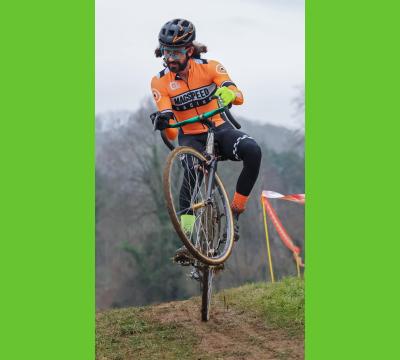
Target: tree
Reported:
[(134, 237)]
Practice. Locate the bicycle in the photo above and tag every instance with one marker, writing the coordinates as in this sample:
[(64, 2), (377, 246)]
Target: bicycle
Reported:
[(191, 186)]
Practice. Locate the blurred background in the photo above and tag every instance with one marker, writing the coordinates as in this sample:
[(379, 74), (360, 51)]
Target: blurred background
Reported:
[(261, 43)]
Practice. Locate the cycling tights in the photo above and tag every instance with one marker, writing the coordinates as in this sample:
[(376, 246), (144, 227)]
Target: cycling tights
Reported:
[(233, 145)]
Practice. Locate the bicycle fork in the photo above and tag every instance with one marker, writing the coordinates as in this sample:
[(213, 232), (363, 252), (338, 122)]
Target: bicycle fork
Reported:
[(211, 170), (213, 163), (210, 185), (211, 179)]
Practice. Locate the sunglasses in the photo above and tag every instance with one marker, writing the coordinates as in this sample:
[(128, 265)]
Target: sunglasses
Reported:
[(174, 53)]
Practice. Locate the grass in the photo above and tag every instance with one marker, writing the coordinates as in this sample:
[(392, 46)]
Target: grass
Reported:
[(280, 305), (127, 334), (136, 333)]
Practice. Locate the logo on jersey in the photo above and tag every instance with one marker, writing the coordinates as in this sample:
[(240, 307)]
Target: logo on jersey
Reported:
[(174, 85), (156, 95), (220, 69), (193, 98)]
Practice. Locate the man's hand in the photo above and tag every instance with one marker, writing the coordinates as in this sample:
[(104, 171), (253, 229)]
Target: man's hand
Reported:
[(160, 120), (227, 95)]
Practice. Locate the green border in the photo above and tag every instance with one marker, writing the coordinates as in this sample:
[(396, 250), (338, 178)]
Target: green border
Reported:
[(352, 180), (47, 180)]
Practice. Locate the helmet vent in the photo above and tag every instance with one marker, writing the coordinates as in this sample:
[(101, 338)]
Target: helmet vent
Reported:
[(177, 33)]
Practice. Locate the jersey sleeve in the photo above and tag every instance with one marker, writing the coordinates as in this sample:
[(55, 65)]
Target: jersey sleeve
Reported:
[(160, 95), (220, 77), (163, 103)]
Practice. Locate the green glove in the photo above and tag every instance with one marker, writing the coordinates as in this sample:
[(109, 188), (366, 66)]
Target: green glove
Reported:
[(187, 223), (226, 94)]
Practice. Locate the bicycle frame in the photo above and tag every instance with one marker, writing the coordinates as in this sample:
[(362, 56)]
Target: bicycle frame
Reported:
[(204, 262), (210, 147)]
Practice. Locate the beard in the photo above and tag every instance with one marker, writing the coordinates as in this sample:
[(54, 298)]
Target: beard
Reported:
[(176, 66)]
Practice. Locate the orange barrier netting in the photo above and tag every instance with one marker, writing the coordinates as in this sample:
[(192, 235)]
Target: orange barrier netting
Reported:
[(286, 239)]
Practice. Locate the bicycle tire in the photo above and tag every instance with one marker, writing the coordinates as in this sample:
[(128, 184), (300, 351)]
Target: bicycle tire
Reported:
[(206, 291), (172, 160)]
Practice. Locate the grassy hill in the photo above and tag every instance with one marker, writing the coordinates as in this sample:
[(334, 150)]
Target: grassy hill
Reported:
[(255, 321)]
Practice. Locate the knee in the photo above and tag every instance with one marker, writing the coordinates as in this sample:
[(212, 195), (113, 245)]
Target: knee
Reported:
[(252, 153), (257, 154)]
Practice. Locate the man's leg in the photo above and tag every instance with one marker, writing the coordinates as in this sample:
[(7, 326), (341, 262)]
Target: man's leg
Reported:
[(238, 146), (246, 149)]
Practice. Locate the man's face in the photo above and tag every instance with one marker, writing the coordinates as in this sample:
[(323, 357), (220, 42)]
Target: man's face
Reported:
[(176, 58)]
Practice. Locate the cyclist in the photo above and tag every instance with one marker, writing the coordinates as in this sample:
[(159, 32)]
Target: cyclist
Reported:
[(184, 89)]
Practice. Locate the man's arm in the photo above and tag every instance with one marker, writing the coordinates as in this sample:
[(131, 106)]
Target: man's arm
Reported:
[(163, 103), (220, 77)]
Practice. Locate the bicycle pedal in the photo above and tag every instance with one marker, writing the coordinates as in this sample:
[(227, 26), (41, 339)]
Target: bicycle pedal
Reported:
[(183, 257), (195, 275), (183, 261)]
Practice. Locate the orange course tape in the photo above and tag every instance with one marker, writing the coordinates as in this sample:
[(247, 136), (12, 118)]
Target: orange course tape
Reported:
[(286, 239), (298, 198)]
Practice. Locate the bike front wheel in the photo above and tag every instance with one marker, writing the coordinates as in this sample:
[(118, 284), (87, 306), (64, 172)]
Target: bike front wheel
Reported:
[(186, 182)]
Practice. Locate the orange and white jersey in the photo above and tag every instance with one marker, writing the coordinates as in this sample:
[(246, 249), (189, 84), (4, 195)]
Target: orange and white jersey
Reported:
[(191, 98)]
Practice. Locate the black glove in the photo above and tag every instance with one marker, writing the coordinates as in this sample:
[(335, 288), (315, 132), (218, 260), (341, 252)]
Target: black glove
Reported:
[(160, 120)]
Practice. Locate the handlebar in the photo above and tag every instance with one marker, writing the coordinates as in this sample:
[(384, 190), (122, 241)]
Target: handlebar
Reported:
[(166, 140), (228, 114), (223, 110), (197, 118)]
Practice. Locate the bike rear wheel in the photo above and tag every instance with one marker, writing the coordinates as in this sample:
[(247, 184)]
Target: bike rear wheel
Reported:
[(206, 291), (185, 182)]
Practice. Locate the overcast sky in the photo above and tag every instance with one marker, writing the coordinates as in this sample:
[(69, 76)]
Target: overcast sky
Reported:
[(260, 42)]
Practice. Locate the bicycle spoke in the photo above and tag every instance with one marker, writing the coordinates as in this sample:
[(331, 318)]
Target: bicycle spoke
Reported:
[(188, 182)]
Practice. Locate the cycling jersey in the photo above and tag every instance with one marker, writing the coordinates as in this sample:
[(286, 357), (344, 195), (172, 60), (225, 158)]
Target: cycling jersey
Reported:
[(188, 99)]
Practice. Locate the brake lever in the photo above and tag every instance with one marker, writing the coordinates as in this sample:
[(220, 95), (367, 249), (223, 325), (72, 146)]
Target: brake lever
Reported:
[(153, 118), (226, 115), (219, 100)]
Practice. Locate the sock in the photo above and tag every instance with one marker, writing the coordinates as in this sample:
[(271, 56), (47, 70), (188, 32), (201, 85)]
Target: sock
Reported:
[(238, 204), (187, 223)]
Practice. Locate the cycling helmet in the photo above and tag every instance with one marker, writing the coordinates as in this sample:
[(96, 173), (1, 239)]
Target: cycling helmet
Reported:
[(177, 33)]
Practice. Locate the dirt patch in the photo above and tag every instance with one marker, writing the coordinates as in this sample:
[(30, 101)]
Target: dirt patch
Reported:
[(230, 334)]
